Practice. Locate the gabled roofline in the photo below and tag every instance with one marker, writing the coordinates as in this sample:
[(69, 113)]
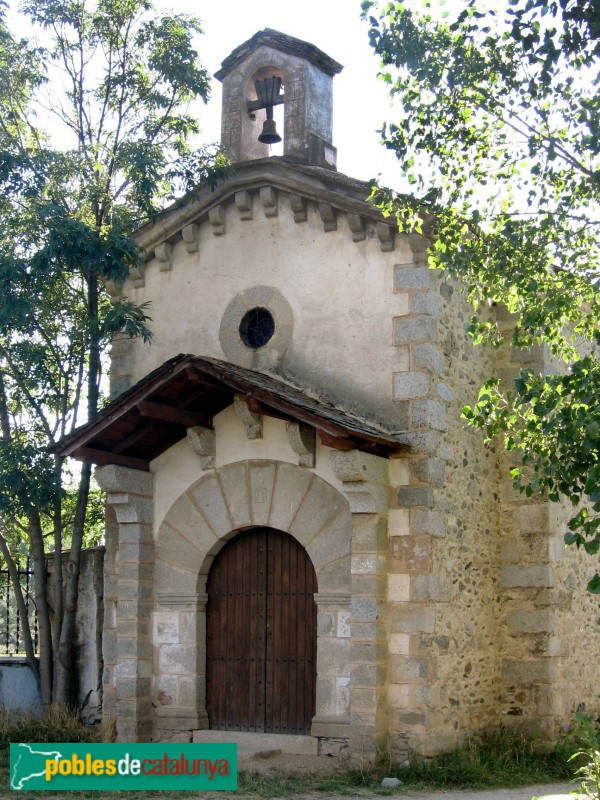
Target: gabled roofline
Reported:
[(286, 44), (313, 183)]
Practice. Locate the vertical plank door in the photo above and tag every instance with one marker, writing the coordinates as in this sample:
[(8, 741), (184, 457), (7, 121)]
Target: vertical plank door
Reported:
[(261, 635)]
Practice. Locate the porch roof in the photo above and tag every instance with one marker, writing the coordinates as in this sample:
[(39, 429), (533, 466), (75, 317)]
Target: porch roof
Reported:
[(188, 391)]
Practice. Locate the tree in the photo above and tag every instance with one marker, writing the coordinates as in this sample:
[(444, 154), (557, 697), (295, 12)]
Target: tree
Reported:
[(115, 81), (500, 139)]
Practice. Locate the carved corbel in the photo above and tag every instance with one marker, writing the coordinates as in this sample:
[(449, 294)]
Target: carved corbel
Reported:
[(203, 443), (190, 235), (268, 197), (302, 440), (252, 421), (164, 256), (216, 217), (328, 217), (357, 227), (385, 234), (138, 275), (298, 206), (244, 204)]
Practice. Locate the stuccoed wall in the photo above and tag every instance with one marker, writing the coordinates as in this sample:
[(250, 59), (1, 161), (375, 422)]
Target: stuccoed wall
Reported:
[(337, 289)]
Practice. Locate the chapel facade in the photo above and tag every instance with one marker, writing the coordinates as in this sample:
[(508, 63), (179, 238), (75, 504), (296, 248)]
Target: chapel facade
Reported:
[(304, 543)]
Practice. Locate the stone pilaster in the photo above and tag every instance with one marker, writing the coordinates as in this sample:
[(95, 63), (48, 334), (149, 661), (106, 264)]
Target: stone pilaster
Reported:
[(366, 485), (129, 496)]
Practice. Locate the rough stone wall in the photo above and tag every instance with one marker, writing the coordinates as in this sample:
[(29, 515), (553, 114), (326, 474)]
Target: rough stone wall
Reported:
[(576, 634), (443, 586)]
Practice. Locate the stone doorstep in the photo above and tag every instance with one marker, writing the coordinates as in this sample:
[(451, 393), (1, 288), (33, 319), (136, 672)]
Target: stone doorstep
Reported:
[(251, 743)]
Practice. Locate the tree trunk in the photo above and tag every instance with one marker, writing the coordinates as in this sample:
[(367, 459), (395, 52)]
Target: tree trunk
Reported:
[(41, 603), (65, 646)]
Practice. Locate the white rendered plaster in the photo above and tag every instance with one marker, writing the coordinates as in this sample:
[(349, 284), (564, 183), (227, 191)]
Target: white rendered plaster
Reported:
[(179, 467)]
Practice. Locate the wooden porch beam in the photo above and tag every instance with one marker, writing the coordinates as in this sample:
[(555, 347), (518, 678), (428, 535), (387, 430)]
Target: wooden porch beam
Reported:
[(175, 416), (102, 457)]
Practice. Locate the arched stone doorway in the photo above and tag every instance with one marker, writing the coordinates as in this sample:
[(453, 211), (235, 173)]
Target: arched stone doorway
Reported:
[(261, 635), (200, 523)]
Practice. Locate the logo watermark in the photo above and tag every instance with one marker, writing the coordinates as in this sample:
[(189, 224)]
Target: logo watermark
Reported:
[(108, 767)]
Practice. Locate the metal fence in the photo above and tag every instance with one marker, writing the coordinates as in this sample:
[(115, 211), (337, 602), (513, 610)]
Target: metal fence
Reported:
[(11, 625)]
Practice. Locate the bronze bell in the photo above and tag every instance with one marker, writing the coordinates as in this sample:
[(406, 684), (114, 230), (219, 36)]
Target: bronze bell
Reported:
[(267, 92), (269, 133)]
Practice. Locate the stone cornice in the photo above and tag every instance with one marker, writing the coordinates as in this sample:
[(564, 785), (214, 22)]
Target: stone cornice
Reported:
[(329, 190)]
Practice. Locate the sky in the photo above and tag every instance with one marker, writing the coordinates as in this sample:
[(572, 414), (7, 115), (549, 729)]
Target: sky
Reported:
[(361, 101)]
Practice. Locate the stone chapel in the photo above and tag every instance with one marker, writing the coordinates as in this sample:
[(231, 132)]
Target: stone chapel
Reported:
[(305, 547)]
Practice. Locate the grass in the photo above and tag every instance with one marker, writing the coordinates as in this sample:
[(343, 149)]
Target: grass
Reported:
[(499, 760)]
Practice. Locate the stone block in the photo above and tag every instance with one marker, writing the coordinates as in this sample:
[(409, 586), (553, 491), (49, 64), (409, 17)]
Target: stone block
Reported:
[(364, 698), (364, 608), (291, 487), (343, 624), (426, 303), (399, 471), (399, 644), (355, 465), (324, 623), (365, 676), (428, 357), (365, 563), (527, 673), (131, 509), (421, 441), (411, 618), (136, 552), (411, 496), (426, 521), (528, 576), (234, 485), (414, 329), (428, 414), (399, 587), (411, 554), (432, 587), (367, 498), (208, 497), (165, 627), (366, 631), (191, 691), (412, 277), (178, 659), (333, 656), (332, 539), (369, 533), (262, 480), (399, 522), (428, 470), (336, 575), (534, 518), (113, 478), (408, 669), (529, 620)]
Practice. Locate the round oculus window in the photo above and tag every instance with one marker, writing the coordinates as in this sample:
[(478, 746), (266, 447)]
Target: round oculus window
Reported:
[(257, 327)]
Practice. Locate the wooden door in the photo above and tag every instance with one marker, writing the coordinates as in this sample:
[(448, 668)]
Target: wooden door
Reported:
[(261, 625)]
